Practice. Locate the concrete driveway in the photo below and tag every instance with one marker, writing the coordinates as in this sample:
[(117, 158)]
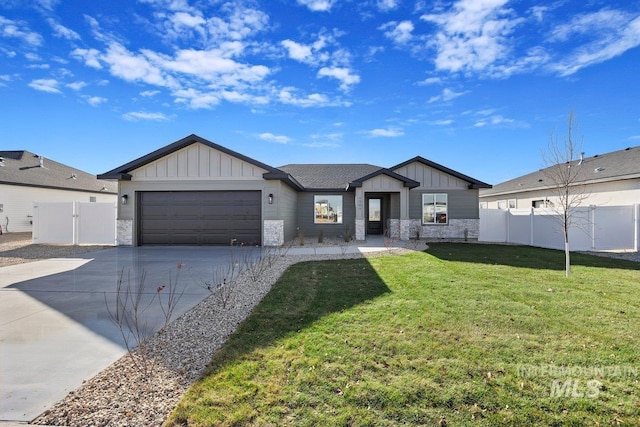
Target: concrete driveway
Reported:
[(55, 330)]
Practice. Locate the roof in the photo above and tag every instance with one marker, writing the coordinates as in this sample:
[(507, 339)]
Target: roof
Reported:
[(617, 165), (328, 176), (122, 172), (473, 183), (406, 181), (21, 167)]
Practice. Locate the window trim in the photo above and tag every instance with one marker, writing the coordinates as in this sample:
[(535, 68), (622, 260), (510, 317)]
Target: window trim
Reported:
[(339, 214), (446, 214)]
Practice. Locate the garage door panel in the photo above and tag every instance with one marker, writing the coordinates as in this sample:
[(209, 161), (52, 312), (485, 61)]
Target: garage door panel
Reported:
[(199, 217)]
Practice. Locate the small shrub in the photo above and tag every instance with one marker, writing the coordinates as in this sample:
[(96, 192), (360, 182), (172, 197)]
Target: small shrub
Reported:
[(347, 234), (301, 237), (321, 236)]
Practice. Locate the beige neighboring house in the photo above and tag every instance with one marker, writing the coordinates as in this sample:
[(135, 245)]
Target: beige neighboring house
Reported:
[(611, 179), (26, 178)]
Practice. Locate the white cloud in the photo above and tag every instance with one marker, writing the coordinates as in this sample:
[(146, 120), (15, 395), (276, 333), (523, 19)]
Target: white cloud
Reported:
[(343, 74), (288, 96), (91, 57), (318, 5), (446, 96), (135, 116), (399, 32), (196, 99), (499, 120), (446, 122), (386, 5), (184, 19), (76, 85), (391, 132), (149, 93), (430, 81), (473, 35), (611, 34), (62, 32), (280, 139), (45, 85), (19, 30), (95, 100), (297, 51)]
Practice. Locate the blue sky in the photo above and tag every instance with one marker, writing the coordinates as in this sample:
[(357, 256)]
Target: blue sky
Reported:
[(476, 85)]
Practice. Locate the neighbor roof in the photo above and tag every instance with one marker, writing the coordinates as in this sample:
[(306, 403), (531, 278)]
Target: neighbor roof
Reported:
[(617, 165), (21, 167), (328, 176)]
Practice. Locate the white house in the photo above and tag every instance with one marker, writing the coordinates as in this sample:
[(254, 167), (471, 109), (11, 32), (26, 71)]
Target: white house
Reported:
[(611, 179), (26, 178)]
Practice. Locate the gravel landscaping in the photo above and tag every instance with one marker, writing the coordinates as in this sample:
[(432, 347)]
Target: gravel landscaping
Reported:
[(17, 248)]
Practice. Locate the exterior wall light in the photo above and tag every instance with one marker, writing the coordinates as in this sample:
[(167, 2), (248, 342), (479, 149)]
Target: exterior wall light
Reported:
[(124, 199), (270, 198)]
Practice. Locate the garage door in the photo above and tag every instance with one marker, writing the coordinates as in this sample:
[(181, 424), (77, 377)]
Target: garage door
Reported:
[(199, 217)]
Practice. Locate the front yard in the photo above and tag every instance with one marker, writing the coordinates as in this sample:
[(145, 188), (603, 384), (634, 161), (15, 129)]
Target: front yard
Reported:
[(458, 335)]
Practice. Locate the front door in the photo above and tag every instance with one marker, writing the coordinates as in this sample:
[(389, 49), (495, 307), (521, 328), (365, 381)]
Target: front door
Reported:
[(374, 216)]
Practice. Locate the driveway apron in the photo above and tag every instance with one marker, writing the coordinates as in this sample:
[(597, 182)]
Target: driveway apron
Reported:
[(55, 327)]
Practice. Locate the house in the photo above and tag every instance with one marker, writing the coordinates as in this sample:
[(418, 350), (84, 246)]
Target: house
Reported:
[(611, 179), (26, 178), (194, 191)]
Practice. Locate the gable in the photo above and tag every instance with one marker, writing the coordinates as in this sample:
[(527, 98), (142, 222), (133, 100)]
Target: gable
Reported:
[(382, 182), (430, 177), (198, 161)]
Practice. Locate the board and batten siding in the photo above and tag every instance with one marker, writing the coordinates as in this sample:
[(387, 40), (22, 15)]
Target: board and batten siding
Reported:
[(197, 161), (287, 203), (306, 215)]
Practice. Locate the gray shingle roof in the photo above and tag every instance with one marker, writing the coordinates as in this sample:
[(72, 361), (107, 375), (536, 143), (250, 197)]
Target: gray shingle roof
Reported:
[(617, 165), (328, 176), (21, 167)]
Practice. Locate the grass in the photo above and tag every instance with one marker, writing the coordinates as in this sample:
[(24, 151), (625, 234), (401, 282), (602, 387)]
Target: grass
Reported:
[(458, 335)]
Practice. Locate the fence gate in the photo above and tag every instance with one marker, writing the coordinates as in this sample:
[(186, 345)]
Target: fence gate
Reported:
[(74, 223)]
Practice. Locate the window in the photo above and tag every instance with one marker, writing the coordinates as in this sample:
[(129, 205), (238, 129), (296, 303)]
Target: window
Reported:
[(502, 204), (328, 209), (483, 205), (92, 199), (512, 203), (434, 208)]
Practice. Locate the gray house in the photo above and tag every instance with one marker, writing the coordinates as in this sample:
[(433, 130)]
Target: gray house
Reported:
[(195, 192)]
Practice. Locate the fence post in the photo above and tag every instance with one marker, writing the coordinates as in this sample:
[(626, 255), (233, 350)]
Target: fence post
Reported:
[(636, 225), (531, 221), (592, 219)]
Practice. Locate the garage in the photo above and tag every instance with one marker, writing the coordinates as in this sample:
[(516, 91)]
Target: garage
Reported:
[(199, 217)]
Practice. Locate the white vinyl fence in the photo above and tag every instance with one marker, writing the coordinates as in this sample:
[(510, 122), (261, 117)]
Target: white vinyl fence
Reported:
[(594, 228), (74, 223)]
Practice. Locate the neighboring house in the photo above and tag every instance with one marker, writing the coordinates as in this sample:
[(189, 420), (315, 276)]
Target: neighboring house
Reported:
[(26, 178), (196, 192), (611, 179)]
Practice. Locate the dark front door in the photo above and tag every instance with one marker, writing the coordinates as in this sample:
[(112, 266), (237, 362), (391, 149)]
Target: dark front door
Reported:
[(374, 216)]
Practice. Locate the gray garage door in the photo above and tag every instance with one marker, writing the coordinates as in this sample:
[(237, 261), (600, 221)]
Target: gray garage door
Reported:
[(199, 217)]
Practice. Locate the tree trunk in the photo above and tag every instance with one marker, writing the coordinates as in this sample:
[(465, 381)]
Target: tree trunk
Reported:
[(567, 259)]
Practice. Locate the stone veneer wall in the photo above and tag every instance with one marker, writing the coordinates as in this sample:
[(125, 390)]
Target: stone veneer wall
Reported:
[(454, 230), (125, 232), (273, 232), (360, 233)]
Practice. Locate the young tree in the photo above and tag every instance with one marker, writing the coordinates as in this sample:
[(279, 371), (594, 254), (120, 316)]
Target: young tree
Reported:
[(563, 171)]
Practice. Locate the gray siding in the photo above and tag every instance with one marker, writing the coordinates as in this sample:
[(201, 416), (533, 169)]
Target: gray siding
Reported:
[(463, 204), (306, 215), (288, 210)]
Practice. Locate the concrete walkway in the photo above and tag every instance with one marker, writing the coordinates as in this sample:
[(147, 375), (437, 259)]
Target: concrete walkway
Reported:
[(55, 329)]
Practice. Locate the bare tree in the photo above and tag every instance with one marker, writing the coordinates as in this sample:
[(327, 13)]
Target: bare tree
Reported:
[(563, 172)]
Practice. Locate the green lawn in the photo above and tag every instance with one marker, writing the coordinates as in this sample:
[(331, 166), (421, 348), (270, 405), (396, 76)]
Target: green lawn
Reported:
[(471, 334)]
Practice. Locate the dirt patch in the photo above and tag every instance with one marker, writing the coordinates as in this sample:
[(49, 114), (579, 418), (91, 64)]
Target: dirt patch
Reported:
[(17, 248)]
